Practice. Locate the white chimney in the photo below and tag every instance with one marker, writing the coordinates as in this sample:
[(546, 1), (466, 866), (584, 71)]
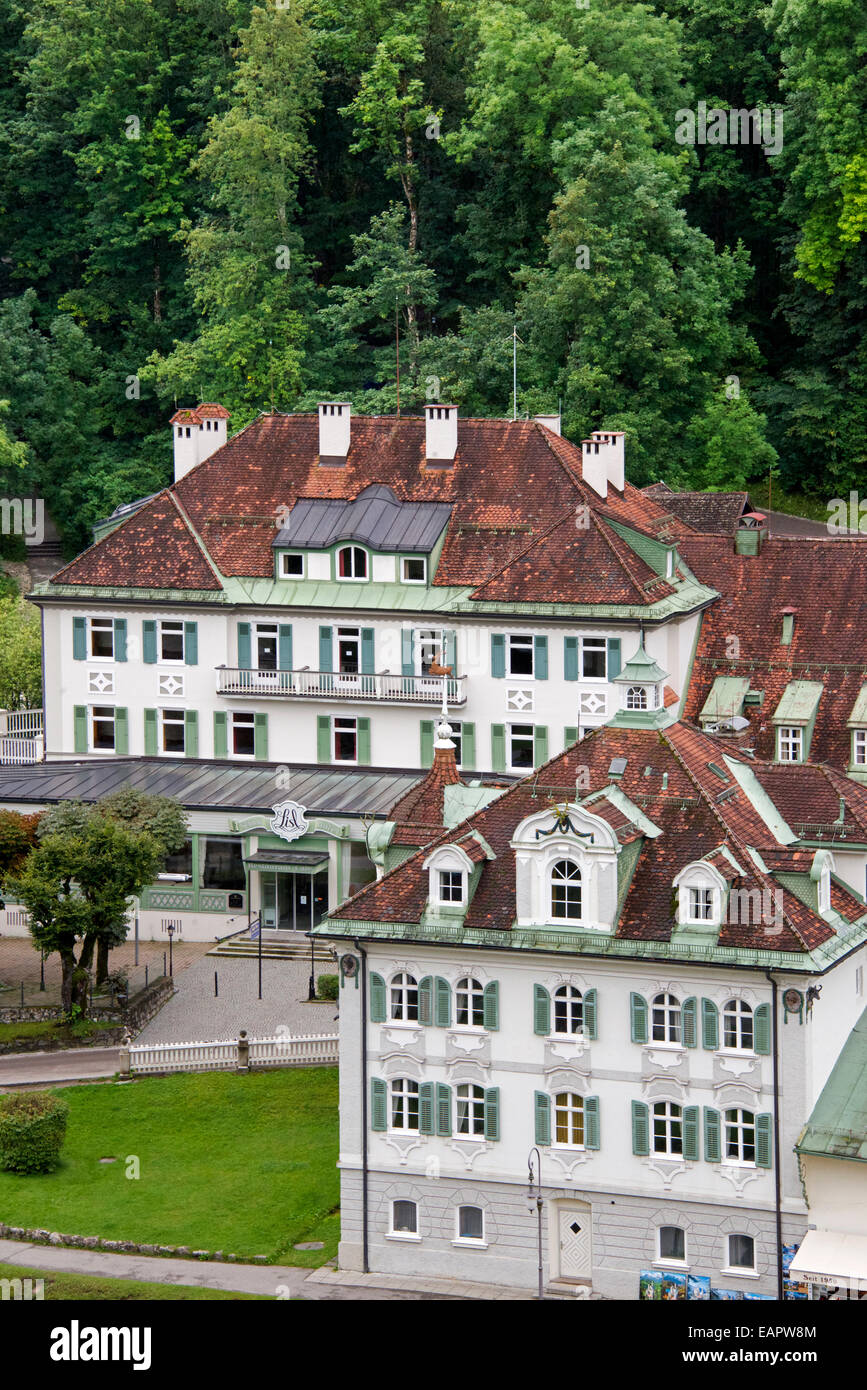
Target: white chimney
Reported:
[(612, 450), (196, 434), (551, 422), (334, 431), (593, 466), (441, 432)]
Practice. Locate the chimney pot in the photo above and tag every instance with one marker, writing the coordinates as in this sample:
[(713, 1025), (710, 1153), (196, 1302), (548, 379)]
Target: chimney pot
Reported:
[(441, 432), (335, 425), (197, 433)]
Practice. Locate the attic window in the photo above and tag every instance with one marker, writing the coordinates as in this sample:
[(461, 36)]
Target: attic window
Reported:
[(788, 627), (292, 566), (352, 562), (617, 767), (718, 771), (636, 697)]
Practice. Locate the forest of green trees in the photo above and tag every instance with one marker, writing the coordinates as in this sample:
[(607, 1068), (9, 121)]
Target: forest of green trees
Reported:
[(211, 199)]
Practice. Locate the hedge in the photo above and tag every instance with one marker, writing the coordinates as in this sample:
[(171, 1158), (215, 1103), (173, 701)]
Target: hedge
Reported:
[(32, 1131), (327, 986)]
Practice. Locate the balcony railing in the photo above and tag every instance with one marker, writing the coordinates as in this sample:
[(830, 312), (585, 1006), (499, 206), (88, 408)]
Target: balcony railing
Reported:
[(22, 738), (381, 687)]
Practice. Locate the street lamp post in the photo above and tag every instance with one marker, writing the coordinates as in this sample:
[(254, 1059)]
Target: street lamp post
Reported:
[(171, 931), (311, 984), (534, 1199)]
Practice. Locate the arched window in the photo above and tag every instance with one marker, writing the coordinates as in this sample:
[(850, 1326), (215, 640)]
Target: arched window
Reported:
[(566, 891), (568, 1010), (666, 1019), (352, 562), (738, 1025), (470, 1001), (667, 1129), (741, 1252), (404, 998), (672, 1244), (471, 1223), (569, 1120), (471, 1110), (404, 1218), (404, 1104), (636, 697), (740, 1137)]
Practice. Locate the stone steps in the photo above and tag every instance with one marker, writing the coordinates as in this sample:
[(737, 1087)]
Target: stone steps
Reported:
[(273, 950)]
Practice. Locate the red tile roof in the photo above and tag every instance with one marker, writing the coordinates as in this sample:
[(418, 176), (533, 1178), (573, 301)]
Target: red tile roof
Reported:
[(154, 549)]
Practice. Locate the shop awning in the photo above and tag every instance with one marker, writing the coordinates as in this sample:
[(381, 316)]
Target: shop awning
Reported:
[(831, 1257), (289, 861)]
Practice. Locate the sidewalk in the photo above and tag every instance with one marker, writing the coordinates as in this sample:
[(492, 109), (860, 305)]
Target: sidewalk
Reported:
[(46, 1068)]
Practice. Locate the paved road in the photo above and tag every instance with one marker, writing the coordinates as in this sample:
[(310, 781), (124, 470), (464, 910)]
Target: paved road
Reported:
[(79, 1064)]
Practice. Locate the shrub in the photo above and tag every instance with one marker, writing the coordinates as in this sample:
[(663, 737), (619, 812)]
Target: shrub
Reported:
[(327, 986), (32, 1131)]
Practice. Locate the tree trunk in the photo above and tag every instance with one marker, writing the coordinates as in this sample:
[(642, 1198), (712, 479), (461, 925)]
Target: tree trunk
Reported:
[(102, 949)]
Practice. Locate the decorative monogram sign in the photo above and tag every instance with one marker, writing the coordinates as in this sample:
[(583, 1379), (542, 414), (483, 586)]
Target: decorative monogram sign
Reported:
[(289, 820)]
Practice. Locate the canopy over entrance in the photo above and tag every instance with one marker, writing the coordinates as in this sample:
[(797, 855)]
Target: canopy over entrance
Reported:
[(832, 1257)]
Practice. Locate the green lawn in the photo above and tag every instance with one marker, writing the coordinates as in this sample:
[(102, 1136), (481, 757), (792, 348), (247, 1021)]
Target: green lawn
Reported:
[(239, 1163), (73, 1287)]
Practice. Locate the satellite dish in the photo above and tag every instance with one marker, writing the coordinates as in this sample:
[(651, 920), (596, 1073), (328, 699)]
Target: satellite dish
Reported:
[(738, 723)]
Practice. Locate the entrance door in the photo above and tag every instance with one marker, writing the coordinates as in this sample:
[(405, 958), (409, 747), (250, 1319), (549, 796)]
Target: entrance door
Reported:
[(575, 1251)]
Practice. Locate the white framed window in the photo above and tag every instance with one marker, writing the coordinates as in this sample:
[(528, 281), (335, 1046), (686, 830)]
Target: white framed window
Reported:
[(172, 732), (741, 1252), (791, 744), (520, 747), (636, 697), (430, 649), (413, 569), (351, 562), (519, 655), (102, 639), (569, 1120), (738, 1026), (345, 739), (292, 565), (404, 1218), (470, 1003), (470, 1224), (451, 886), (404, 1104), (594, 659), (566, 891), (243, 743), (859, 747), (700, 904), (671, 1244), (667, 1129), (740, 1137), (471, 1110), (171, 643), (665, 1019), (456, 727), (568, 1010), (265, 646), (403, 993), (102, 728)]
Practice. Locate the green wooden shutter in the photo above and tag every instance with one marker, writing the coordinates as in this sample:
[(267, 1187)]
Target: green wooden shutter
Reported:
[(323, 738), (149, 642), (442, 1003), (540, 745), (570, 735), (284, 647), (407, 667), (468, 747), (709, 1025), (492, 1112), (444, 1109), (120, 639), (221, 734), (80, 728), (640, 1127), (245, 647), (498, 747), (260, 738), (121, 732), (368, 652), (689, 1022), (540, 658), (591, 1122), (762, 1030), (425, 1000), (377, 998), (638, 1018), (613, 657), (764, 1132), (712, 1146), (543, 1118), (191, 734), (541, 1011), (363, 741), (79, 639), (570, 658), (590, 1012), (498, 655), (191, 644), (325, 649), (690, 1131), (491, 1006), (426, 1116), (378, 1103), (426, 732), (450, 650), (150, 733)]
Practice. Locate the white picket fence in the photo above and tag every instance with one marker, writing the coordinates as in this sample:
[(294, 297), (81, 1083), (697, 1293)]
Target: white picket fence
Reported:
[(279, 1051)]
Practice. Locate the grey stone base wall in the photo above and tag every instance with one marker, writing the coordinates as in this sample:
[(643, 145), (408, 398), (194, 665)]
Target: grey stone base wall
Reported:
[(623, 1234)]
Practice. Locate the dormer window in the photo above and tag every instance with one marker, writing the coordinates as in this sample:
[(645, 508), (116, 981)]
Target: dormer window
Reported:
[(449, 870), (292, 565), (566, 891), (636, 697), (451, 886), (791, 744), (700, 888), (700, 902), (352, 562), (413, 569), (859, 747)]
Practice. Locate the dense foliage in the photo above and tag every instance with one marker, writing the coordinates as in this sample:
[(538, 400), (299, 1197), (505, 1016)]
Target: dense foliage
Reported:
[(32, 1131), (221, 200)]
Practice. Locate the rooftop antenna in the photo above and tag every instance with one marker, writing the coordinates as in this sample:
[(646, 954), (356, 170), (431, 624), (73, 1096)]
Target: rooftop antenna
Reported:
[(271, 373), (397, 349)]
